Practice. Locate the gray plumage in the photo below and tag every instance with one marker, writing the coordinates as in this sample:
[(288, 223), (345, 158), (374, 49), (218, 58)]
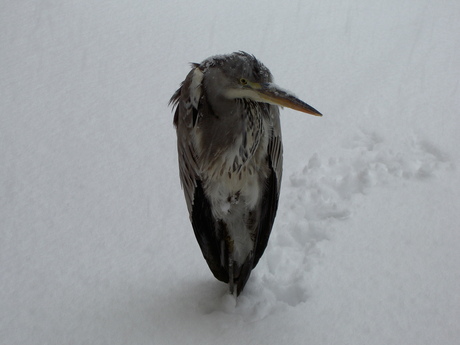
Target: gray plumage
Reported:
[(230, 159)]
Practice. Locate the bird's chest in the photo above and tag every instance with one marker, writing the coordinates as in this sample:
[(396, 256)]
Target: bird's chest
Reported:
[(233, 149), (234, 163)]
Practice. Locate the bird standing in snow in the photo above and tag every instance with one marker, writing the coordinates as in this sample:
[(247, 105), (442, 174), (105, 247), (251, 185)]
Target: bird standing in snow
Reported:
[(230, 159)]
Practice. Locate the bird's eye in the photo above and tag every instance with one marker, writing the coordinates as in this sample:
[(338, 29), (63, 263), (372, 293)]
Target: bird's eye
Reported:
[(243, 81)]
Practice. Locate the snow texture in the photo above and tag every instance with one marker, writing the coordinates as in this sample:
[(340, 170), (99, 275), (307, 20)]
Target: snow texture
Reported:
[(95, 242)]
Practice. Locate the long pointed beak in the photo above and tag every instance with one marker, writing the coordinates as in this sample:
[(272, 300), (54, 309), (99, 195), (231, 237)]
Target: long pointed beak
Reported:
[(273, 94)]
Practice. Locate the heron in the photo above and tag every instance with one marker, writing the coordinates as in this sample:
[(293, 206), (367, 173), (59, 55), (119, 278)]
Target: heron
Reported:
[(230, 159)]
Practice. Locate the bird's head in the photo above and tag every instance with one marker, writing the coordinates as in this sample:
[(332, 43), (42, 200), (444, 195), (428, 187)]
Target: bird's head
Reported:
[(242, 76)]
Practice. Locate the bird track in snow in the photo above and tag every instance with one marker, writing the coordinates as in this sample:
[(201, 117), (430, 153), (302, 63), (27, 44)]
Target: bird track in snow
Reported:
[(314, 199)]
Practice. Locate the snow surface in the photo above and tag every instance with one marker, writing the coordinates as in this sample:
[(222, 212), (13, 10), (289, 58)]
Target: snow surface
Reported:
[(96, 246)]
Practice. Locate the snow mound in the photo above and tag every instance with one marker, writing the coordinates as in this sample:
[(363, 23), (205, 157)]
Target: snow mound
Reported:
[(322, 193)]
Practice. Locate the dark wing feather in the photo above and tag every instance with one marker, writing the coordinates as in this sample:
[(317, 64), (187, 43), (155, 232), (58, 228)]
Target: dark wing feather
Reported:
[(210, 240), (271, 192), (185, 119), (208, 232)]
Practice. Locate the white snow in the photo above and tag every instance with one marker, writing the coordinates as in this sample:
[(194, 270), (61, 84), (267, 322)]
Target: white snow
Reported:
[(95, 242)]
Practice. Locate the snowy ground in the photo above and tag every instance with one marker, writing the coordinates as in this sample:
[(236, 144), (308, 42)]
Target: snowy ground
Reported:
[(95, 242)]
